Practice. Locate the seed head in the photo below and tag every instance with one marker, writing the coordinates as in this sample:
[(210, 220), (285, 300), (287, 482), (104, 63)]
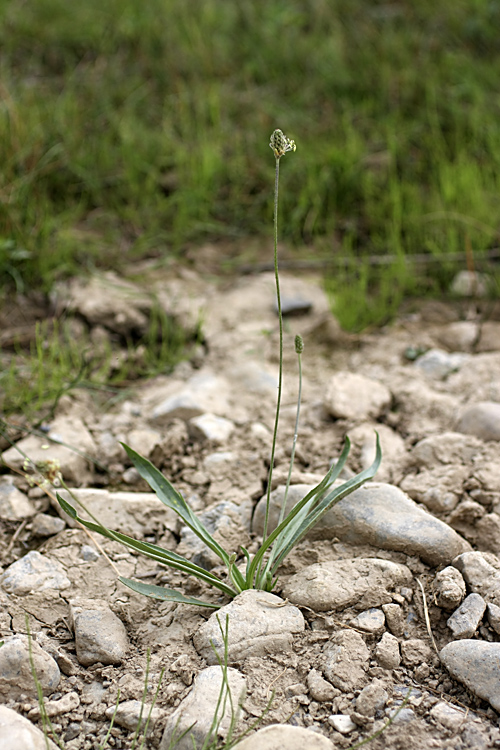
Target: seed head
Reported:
[(280, 144), (299, 344)]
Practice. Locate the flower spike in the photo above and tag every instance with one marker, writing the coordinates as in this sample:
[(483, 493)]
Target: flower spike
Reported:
[(280, 144)]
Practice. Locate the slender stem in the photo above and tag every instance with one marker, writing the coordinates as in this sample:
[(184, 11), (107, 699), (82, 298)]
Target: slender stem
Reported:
[(292, 458), (280, 317), (294, 444)]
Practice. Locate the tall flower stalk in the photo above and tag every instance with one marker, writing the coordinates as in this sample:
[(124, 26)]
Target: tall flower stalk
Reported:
[(280, 144)]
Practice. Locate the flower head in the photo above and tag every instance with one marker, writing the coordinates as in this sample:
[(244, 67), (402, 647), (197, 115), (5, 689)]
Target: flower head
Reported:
[(280, 144)]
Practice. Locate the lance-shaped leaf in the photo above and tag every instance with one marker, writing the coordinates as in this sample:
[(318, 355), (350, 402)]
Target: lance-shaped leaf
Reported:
[(169, 496), (153, 551), (165, 595)]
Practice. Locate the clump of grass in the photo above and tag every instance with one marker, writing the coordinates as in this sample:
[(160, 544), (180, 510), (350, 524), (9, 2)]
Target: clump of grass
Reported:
[(130, 130), (58, 362), (261, 569)]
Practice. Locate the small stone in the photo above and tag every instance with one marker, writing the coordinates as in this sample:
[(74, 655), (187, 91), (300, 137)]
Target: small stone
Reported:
[(18, 733), (129, 713), (319, 689), (371, 621), (438, 364), (448, 716), (477, 665), (100, 636), (489, 338), (210, 427), (14, 504), (204, 392), (458, 337), (346, 659), (69, 702), (394, 618), (259, 624), (16, 677), (449, 588), (45, 525), (481, 419), (342, 723), (387, 652), (280, 736), (480, 576), (470, 284), (464, 622), (143, 441), (372, 698), (196, 712), (416, 652), (88, 553), (34, 572), (494, 617), (353, 396), (401, 715)]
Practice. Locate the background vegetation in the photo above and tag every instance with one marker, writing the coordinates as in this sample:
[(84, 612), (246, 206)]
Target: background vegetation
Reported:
[(131, 128)]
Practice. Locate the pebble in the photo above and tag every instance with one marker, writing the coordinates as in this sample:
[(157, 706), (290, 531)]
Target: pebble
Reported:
[(387, 652), (280, 736), (371, 621), (259, 624), (394, 617), (16, 677), (34, 572), (438, 364), (337, 584), (448, 716), (128, 714), (210, 427), (449, 588), (416, 652), (14, 504), (489, 339), (481, 419), (470, 284), (143, 441), (494, 617), (18, 733), (199, 707), (204, 392), (477, 665), (480, 576), (350, 395), (464, 622), (345, 661), (319, 689), (45, 525), (100, 635), (371, 699), (459, 336), (69, 702), (342, 723), (226, 520)]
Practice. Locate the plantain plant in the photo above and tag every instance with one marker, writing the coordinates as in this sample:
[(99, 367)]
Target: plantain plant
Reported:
[(260, 571)]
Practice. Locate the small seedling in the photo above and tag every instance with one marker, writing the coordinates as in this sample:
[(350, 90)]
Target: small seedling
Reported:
[(261, 570)]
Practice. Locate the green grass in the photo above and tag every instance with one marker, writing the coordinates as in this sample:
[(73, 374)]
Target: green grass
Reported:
[(130, 129), (32, 380)]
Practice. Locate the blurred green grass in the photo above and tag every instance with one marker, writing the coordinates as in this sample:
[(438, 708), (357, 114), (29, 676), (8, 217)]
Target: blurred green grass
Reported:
[(131, 129)]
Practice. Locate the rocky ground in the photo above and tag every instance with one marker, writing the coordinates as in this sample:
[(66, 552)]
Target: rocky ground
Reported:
[(397, 587)]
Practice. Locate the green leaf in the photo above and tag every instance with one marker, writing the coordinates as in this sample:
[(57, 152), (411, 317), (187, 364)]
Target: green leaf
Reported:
[(166, 595), (153, 551), (169, 496), (326, 503), (312, 496)]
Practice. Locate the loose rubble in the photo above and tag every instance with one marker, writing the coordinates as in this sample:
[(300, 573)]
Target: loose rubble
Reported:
[(343, 639)]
